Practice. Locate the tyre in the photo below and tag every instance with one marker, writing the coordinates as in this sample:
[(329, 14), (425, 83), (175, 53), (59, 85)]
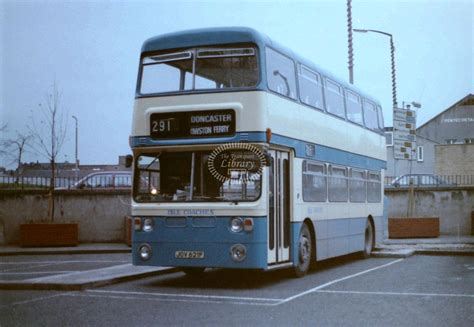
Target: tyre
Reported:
[(305, 250), (193, 271), (369, 240)]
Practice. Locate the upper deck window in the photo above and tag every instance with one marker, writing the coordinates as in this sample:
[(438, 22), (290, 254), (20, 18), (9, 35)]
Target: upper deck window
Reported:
[(281, 74), (370, 116), (311, 92), (334, 99), (198, 69), (354, 107), (380, 113)]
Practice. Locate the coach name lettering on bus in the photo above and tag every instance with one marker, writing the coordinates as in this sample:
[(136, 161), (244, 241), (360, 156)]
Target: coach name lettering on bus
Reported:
[(190, 212)]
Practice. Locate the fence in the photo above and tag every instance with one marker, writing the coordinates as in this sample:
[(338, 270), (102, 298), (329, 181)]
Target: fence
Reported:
[(429, 180), (101, 180), (124, 180)]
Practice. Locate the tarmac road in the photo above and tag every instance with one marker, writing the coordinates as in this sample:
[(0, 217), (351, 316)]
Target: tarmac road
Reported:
[(415, 291)]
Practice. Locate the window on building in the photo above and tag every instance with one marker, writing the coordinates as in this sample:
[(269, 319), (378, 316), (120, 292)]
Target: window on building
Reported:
[(451, 141), (281, 74), (311, 92), (468, 141), (419, 154)]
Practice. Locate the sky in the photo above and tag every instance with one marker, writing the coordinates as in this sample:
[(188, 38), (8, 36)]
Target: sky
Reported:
[(91, 50)]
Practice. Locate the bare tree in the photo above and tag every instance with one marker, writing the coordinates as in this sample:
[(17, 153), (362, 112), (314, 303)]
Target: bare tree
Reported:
[(3, 142), (16, 148), (49, 135)]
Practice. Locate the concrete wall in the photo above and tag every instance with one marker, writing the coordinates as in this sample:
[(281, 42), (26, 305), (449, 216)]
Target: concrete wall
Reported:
[(100, 214), (452, 205)]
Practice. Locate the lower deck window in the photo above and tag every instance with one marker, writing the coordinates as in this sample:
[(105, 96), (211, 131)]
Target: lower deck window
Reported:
[(338, 185), (374, 187), (357, 186), (314, 182)]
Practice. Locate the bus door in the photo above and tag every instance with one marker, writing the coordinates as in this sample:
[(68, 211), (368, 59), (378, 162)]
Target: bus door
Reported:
[(279, 207)]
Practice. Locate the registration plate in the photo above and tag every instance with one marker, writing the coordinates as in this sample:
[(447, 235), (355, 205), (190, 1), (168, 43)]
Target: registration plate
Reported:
[(189, 254)]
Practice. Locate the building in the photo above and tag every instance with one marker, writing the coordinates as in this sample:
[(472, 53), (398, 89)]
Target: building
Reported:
[(445, 144)]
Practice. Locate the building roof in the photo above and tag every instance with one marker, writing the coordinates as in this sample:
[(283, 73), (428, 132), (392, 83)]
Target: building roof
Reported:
[(467, 100)]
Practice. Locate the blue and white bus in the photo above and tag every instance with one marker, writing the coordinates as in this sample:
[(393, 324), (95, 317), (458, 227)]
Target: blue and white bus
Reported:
[(249, 156)]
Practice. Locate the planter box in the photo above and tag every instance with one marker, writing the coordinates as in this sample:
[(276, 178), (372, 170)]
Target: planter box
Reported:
[(49, 234), (413, 227)]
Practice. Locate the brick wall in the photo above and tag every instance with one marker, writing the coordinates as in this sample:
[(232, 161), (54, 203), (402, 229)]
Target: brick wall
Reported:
[(454, 159)]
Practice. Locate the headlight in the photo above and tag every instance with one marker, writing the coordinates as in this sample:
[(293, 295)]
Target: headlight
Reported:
[(238, 252), (145, 252), (236, 224), (148, 225)]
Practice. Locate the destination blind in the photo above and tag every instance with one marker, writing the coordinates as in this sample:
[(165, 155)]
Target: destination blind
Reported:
[(215, 123)]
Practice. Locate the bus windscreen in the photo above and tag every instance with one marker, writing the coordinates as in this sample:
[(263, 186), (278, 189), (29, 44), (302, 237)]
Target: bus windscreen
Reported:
[(199, 69)]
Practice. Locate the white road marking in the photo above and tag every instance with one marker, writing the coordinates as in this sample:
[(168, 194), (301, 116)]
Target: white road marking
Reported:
[(33, 267), (234, 299), (38, 264), (317, 288), (37, 272), (61, 262), (221, 297), (398, 293), (161, 299), (34, 300)]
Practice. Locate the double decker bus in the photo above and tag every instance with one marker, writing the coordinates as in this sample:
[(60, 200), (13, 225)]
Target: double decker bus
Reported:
[(248, 156)]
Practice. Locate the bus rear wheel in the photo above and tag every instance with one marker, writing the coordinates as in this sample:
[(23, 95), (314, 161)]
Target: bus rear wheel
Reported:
[(193, 271), (304, 254), (369, 240)]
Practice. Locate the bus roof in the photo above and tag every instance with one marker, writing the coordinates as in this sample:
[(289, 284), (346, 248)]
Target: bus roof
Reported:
[(203, 37), (230, 35)]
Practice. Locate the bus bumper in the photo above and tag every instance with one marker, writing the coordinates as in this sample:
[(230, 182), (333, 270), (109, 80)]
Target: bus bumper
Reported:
[(200, 242)]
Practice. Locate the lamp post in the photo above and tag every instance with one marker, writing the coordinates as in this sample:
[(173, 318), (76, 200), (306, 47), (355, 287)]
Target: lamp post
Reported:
[(77, 132), (392, 53), (349, 41)]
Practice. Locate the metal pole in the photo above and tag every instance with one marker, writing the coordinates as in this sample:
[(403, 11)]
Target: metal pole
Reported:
[(394, 81), (349, 37), (77, 134)]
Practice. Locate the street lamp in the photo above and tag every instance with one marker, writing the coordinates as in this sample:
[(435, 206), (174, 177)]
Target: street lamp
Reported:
[(392, 53), (77, 131)]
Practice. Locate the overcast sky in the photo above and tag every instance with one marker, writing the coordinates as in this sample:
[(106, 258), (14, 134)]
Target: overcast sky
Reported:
[(91, 49)]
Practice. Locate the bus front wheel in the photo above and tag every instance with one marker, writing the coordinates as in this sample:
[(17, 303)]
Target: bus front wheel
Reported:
[(304, 255), (369, 240)]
